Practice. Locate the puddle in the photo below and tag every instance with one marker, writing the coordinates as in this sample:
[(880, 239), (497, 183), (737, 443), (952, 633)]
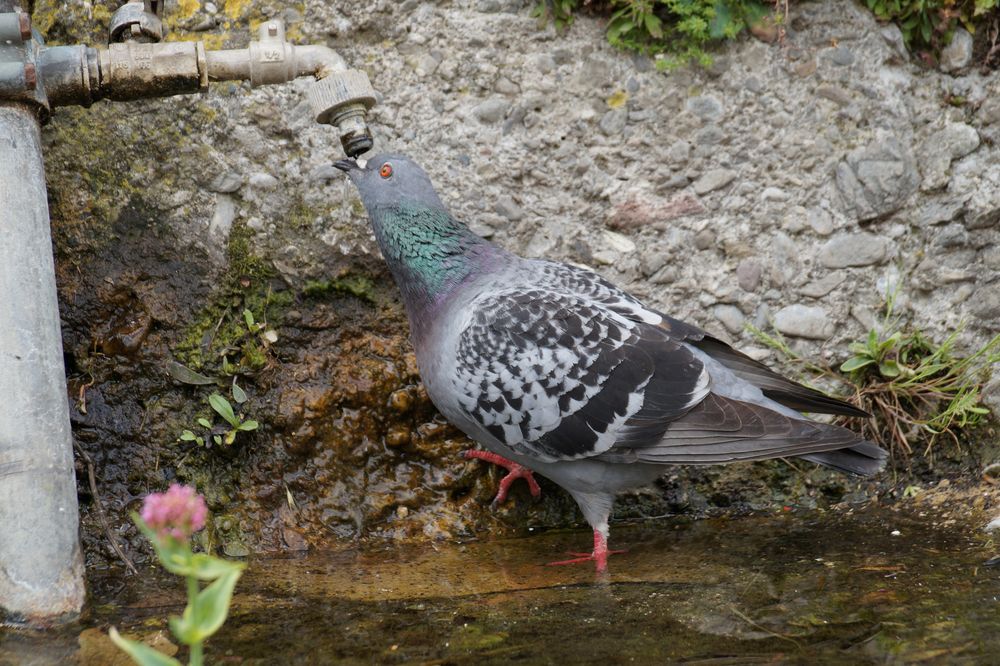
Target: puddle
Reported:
[(789, 589)]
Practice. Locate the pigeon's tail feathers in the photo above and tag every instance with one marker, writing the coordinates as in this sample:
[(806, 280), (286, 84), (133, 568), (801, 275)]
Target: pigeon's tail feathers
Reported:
[(722, 430), (780, 389), (863, 459)]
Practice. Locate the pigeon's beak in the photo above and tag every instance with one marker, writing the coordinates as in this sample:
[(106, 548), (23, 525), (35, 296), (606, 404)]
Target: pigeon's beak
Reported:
[(347, 166)]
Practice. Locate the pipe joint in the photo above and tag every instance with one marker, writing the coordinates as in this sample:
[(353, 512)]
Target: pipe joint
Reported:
[(136, 21)]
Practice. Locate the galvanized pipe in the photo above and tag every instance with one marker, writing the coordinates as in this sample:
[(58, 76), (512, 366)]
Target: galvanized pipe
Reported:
[(41, 568)]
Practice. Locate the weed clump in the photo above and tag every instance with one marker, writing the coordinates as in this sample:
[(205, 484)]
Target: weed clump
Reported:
[(916, 389), (675, 32)]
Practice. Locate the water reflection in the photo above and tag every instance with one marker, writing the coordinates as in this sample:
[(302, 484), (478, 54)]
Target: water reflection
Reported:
[(822, 589)]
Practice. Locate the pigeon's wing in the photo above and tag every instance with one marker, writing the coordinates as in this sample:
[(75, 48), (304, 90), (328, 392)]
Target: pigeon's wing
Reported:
[(780, 389), (559, 376), (721, 430)]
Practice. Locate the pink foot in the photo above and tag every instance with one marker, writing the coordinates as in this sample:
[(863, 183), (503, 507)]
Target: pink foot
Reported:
[(599, 557), (515, 471)]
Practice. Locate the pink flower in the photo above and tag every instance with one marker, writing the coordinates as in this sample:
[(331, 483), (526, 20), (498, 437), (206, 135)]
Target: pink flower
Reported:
[(177, 513)]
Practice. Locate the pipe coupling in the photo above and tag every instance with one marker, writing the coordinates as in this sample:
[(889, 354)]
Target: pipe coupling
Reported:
[(342, 99), (134, 21)]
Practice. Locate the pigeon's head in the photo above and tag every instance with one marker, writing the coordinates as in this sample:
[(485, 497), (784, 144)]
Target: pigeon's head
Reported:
[(388, 179)]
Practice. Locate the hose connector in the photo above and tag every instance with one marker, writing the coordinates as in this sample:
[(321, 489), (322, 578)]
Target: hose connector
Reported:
[(342, 99)]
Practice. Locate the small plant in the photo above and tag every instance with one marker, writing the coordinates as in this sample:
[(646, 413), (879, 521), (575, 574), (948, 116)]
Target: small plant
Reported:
[(908, 382), (914, 384), (930, 24), (559, 12), (168, 520), (235, 424), (674, 31)]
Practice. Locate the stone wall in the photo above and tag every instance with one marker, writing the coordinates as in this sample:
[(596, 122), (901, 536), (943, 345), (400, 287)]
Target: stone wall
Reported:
[(790, 184)]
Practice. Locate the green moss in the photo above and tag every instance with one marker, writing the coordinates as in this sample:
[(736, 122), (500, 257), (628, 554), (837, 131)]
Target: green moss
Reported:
[(219, 338), (356, 285)]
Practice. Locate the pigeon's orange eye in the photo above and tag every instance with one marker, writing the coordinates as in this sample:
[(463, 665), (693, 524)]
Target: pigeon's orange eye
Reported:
[(386, 170)]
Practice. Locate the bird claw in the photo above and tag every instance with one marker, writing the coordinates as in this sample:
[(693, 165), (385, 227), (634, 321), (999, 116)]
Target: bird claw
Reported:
[(515, 471), (599, 556)]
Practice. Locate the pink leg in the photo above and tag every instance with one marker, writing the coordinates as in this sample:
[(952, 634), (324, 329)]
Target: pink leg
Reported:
[(514, 472), (599, 557)]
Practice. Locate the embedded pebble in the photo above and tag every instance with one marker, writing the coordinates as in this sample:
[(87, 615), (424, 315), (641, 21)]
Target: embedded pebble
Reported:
[(804, 321)]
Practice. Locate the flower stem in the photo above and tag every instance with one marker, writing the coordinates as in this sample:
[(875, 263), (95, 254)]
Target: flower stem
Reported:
[(197, 658)]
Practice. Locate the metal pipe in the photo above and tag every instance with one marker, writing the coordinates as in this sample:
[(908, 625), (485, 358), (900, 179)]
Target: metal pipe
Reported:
[(238, 64), (41, 567)]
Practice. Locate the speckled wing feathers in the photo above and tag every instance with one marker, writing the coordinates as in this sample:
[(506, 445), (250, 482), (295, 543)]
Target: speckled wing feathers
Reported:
[(571, 367), (560, 376)]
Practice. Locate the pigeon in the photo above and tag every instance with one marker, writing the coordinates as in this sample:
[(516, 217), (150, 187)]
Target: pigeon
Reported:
[(555, 370)]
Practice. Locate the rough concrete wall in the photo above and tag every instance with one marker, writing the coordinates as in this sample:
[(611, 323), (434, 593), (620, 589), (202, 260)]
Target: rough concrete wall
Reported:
[(792, 183)]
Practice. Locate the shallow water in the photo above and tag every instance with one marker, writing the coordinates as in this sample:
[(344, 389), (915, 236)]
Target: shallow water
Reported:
[(811, 589)]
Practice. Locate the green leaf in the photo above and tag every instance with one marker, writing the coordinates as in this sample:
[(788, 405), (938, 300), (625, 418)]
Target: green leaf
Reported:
[(205, 615), (889, 368), (188, 436), (717, 27), (141, 653), (205, 423), (206, 567), (653, 26), (873, 342), (218, 440), (183, 628), (223, 408), (186, 375), (247, 426), (248, 318), (855, 363), (239, 395)]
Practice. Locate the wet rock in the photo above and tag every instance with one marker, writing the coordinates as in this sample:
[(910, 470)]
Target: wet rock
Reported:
[(993, 525), (877, 179), (803, 321), (97, 649), (713, 180), (957, 55), (858, 249), (398, 436), (953, 141)]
